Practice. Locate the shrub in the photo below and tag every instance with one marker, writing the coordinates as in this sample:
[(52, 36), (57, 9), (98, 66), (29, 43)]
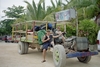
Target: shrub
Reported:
[(71, 30), (89, 29)]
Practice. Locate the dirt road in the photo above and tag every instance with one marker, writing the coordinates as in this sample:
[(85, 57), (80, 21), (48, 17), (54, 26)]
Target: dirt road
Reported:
[(9, 57)]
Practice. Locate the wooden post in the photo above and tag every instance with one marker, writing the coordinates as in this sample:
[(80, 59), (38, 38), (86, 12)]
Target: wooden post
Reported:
[(77, 26), (33, 30), (84, 13), (55, 25), (46, 26), (76, 23), (26, 30), (65, 27), (15, 32), (20, 33), (12, 33)]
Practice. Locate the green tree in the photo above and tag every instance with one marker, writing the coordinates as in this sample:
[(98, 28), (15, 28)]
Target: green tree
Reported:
[(85, 8), (16, 14), (57, 6), (88, 29), (14, 11), (6, 26), (39, 12), (36, 12)]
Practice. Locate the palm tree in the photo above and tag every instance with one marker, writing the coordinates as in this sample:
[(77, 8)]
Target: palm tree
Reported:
[(54, 8), (38, 12), (85, 8), (58, 6)]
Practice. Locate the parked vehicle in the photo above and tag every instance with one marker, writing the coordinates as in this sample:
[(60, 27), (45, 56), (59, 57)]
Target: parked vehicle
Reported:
[(28, 35), (98, 40), (72, 47), (8, 38), (3, 38)]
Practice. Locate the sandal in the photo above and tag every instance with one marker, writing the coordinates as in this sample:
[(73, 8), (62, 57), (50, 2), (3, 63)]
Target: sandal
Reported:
[(43, 61)]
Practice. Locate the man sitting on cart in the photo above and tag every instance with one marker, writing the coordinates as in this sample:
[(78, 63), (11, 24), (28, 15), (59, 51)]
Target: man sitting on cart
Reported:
[(60, 39)]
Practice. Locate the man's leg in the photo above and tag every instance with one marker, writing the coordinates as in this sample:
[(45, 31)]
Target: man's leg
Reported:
[(63, 38), (52, 43), (44, 55), (45, 47)]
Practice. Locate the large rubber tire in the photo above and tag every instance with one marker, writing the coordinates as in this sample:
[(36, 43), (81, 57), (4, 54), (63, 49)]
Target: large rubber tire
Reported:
[(21, 47), (59, 56), (85, 59), (26, 48)]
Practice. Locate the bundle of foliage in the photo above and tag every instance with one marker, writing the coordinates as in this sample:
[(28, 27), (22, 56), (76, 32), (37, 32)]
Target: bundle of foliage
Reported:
[(89, 29), (71, 30)]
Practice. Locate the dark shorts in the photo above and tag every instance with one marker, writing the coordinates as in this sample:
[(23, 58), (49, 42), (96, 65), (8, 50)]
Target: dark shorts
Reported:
[(46, 45)]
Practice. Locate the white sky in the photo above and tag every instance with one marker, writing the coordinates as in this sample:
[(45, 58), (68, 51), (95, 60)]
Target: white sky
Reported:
[(4, 4)]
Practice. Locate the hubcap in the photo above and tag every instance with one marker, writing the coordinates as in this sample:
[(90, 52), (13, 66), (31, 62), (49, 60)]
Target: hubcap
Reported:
[(57, 57), (82, 58)]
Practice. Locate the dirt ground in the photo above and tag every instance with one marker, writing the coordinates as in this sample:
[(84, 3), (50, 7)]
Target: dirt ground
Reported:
[(9, 57)]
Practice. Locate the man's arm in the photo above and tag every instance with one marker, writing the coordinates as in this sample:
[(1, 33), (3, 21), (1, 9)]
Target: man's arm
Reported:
[(58, 32), (57, 35), (46, 39)]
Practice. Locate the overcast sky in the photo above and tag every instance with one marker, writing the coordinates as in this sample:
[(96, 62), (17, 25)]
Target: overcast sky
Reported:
[(9, 3)]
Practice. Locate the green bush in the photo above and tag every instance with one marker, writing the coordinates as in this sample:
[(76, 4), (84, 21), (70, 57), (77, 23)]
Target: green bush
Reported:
[(71, 30), (89, 29)]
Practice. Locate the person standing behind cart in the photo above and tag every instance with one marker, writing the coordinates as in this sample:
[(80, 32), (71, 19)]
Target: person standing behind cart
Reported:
[(6, 40), (47, 39)]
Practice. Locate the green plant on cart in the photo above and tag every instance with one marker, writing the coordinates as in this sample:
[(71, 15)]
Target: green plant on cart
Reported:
[(89, 29)]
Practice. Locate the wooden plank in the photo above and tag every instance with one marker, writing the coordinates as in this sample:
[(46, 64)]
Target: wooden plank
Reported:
[(31, 21), (19, 31)]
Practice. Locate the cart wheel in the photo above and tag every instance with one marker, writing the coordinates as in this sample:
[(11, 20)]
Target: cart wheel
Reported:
[(26, 48), (21, 47), (85, 59), (59, 56)]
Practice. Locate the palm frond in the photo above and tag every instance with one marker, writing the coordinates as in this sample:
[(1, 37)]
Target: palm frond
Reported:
[(44, 5), (34, 7), (52, 3), (31, 9), (40, 1)]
